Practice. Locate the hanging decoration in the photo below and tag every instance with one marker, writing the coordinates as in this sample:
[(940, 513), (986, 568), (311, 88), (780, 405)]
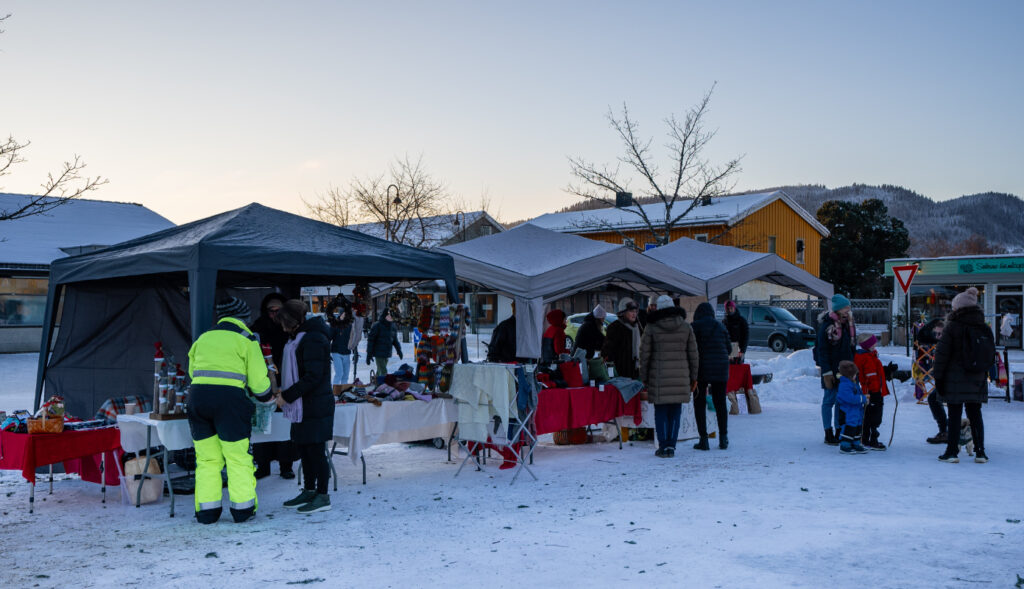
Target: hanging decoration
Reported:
[(405, 307)]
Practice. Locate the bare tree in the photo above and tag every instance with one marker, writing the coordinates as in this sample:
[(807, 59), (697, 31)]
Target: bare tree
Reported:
[(407, 202), (690, 178), (58, 189)]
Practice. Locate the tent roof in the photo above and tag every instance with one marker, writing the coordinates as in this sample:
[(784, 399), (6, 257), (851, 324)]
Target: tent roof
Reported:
[(724, 268), (39, 239), (258, 240), (530, 262)]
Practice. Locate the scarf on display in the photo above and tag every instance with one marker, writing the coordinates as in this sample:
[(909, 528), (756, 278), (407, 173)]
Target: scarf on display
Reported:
[(290, 376), (835, 331), (636, 339)]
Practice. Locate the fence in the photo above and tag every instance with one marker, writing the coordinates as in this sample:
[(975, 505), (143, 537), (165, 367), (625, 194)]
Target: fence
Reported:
[(866, 311)]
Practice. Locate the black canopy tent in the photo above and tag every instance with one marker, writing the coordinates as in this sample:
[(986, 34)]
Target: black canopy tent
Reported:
[(113, 304)]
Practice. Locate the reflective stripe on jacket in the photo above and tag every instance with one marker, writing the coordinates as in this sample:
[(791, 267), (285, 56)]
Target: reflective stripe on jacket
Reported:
[(229, 355)]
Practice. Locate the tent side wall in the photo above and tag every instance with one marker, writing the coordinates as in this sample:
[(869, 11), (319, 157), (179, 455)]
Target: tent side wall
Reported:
[(104, 347)]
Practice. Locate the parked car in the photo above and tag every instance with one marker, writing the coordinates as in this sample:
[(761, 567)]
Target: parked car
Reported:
[(574, 321), (775, 328)]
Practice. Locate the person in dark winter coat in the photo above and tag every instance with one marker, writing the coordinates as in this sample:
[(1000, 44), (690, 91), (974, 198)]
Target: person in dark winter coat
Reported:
[(340, 321), (622, 341), (312, 373), (553, 342), (669, 365), (929, 335), (851, 401), (383, 336), (739, 332), (270, 332), (713, 347), (590, 336), (957, 387), (837, 335), (503, 340)]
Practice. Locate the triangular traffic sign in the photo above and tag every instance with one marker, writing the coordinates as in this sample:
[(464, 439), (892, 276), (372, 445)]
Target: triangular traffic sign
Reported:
[(905, 275)]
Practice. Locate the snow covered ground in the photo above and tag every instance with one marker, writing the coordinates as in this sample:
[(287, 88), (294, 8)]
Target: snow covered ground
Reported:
[(777, 509)]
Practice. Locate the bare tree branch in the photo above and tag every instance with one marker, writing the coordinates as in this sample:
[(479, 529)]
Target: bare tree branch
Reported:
[(693, 178)]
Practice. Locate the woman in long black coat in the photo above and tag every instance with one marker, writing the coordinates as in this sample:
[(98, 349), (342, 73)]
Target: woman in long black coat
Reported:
[(313, 386), (957, 387), (713, 346)]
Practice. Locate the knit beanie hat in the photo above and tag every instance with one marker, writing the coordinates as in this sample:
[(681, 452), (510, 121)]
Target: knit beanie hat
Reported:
[(665, 302), (848, 369), (968, 298), (233, 307), (840, 302), (627, 303), (599, 313), (730, 305), (867, 341), (292, 314)]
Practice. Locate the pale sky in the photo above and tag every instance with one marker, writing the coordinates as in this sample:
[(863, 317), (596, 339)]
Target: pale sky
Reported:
[(193, 108)]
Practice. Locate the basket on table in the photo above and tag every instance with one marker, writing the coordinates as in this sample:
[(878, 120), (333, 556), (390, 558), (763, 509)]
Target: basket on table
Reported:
[(45, 424)]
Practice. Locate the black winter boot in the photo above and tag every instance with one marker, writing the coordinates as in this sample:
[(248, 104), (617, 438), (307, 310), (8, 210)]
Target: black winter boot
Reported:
[(702, 445), (830, 437)]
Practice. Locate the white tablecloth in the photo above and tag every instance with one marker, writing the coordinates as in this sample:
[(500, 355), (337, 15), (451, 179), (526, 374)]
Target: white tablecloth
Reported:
[(360, 425)]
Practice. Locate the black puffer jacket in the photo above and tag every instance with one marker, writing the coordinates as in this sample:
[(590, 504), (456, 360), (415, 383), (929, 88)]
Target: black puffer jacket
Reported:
[(828, 355), (739, 330), (383, 336), (503, 342), (618, 349), (590, 337), (954, 384), (712, 344), (314, 385)]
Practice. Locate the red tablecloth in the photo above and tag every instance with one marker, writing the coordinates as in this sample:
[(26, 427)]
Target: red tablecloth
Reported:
[(740, 379), (26, 452), (559, 409)]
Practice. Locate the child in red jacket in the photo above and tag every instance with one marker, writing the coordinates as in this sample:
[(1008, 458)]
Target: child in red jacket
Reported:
[(872, 381)]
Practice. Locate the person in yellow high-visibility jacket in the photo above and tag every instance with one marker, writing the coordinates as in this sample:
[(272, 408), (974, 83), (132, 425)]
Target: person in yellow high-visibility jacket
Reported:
[(226, 365)]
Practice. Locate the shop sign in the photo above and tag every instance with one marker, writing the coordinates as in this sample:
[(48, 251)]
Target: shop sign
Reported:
[(990, 265)]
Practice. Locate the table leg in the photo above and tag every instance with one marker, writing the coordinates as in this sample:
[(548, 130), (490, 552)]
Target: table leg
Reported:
[(51, 479), (103, 476), (167, 477), (363, 460), (145, 469), (32, 499)]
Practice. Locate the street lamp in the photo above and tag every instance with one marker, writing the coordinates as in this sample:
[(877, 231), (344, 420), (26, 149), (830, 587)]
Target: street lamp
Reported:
[(456, 223), (389, 223)]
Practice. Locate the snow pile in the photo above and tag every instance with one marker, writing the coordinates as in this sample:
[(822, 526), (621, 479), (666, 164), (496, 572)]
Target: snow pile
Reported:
[(794, 378)]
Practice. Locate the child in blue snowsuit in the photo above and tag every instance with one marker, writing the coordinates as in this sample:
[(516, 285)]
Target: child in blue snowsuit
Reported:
[(851, 407)]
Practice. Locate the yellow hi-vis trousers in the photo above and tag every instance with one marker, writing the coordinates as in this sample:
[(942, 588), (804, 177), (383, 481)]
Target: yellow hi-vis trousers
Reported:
[(212, 454)]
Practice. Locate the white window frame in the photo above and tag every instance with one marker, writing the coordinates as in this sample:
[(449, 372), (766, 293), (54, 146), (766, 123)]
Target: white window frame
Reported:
[(772, 244), (701, 237), (800, 250)]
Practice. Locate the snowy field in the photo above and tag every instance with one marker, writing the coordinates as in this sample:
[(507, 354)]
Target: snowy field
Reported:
[(777, 509)]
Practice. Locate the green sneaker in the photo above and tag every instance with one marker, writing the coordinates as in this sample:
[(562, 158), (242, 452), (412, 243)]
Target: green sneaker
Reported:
[(319, 503), (303, 498)]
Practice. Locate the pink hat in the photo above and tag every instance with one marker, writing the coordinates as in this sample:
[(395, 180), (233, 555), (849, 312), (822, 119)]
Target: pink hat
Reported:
[(730, 305), (868, 342)]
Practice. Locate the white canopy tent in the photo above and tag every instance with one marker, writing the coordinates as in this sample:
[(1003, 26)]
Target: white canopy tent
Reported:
[(536, 266), (723, 268)]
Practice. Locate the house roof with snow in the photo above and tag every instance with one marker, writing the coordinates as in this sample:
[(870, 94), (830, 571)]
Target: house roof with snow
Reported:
[(430, 232), (724, 210), (71, 228)]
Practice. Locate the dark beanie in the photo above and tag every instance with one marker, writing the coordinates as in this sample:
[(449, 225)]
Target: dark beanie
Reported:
[(233, 307), (292, 313)]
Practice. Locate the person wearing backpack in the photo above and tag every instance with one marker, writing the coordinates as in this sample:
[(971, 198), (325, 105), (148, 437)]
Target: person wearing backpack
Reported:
[(965, 352)]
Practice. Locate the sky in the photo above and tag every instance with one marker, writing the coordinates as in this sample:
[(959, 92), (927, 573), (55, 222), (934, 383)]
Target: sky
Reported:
[(194, 108)]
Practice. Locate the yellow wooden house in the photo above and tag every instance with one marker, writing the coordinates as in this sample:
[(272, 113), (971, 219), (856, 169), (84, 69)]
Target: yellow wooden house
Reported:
[(769, 222)]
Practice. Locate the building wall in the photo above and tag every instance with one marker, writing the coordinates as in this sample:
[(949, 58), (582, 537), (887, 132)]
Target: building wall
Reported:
[(752, 233)]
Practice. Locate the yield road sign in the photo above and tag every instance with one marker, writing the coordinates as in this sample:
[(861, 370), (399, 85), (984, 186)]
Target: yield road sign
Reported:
[(905, 275)]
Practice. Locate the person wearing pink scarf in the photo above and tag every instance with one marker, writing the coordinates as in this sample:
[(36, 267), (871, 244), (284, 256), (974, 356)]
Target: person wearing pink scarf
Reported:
[(837, 336), (307, 401)]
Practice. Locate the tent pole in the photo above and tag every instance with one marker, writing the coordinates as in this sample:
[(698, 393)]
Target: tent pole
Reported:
[(44, 346)]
